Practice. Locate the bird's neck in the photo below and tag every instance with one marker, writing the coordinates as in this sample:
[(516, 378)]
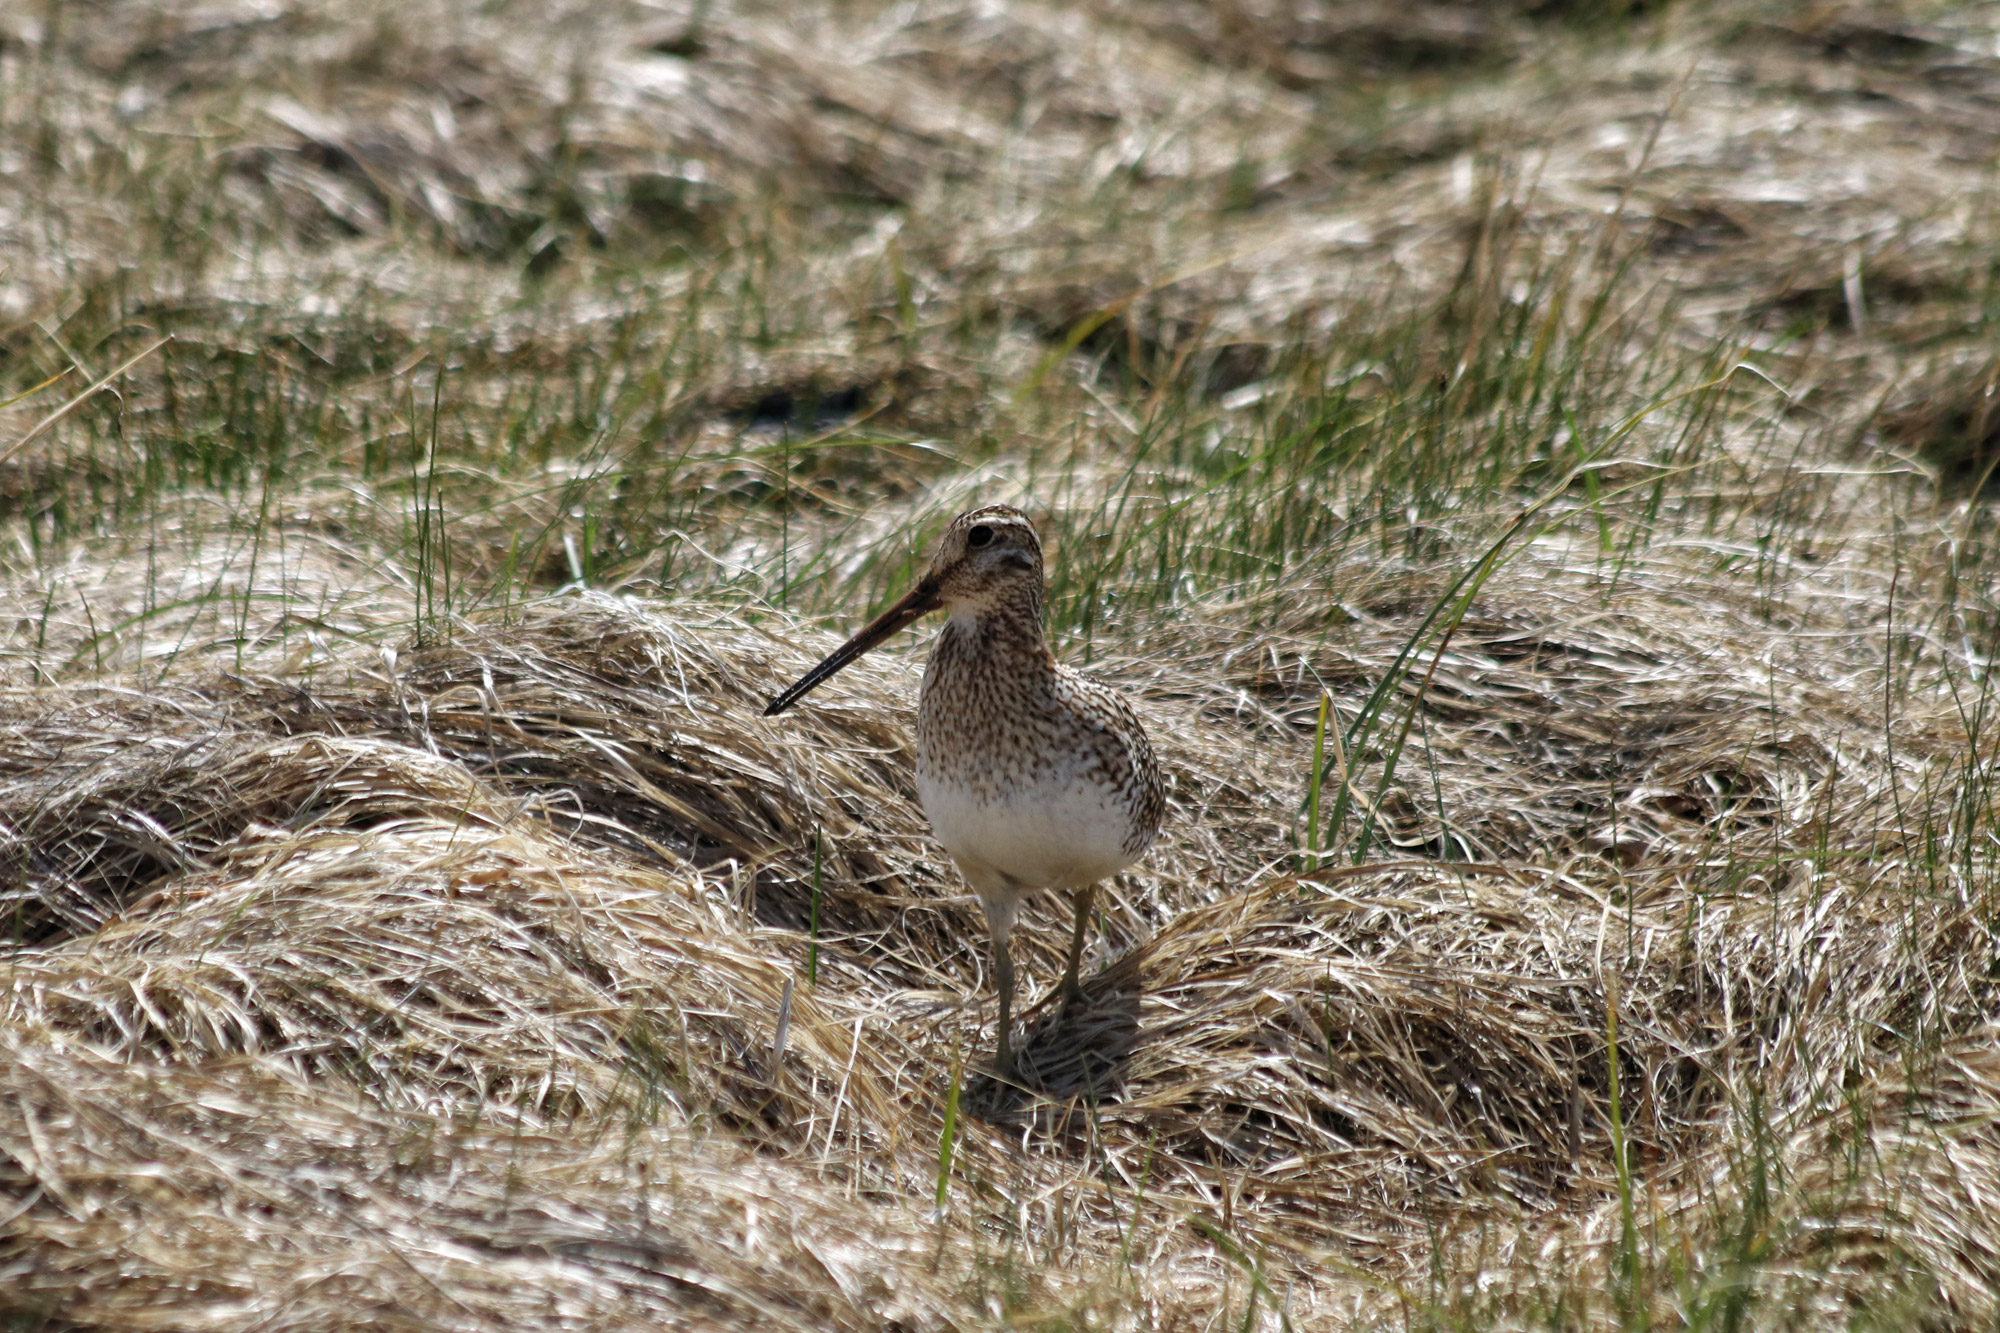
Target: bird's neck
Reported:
[(1009, 626)]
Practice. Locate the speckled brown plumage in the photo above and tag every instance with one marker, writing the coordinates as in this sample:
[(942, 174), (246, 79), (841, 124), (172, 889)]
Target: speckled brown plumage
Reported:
[(1033, 777), (997, 712)]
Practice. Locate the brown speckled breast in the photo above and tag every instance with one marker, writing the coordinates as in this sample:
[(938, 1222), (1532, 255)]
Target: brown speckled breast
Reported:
[(1036, 753)]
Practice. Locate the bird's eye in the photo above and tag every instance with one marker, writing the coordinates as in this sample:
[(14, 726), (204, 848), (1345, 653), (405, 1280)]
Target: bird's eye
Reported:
[(979, 536)]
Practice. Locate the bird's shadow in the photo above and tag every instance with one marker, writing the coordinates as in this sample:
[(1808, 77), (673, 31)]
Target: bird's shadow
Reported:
[(1068, 1053)]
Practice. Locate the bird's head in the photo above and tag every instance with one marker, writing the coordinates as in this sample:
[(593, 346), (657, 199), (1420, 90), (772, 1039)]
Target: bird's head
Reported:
[(988, 557)]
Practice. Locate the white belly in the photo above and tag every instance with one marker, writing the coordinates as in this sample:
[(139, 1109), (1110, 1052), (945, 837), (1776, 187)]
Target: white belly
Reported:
[(1064, 832)]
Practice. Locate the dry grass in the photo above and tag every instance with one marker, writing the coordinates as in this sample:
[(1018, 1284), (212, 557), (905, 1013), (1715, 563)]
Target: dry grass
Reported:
[(412, 922)]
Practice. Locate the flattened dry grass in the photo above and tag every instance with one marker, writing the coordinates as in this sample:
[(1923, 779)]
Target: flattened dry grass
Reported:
[(411, 920), (326, 1210), (503, 880)]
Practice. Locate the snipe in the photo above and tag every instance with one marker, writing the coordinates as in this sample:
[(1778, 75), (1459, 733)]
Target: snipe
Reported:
[(1033, 776)]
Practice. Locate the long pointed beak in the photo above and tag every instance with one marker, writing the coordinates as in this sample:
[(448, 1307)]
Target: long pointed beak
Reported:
[(919, 600)]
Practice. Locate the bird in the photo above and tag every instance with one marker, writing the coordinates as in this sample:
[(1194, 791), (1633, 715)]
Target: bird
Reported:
[(1033, 776)]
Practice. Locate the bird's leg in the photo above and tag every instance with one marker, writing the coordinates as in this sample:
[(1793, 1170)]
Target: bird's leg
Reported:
[(1072, 989), (1003, 971)]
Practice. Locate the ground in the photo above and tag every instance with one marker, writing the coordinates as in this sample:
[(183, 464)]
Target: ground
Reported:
[(1529, 464)]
